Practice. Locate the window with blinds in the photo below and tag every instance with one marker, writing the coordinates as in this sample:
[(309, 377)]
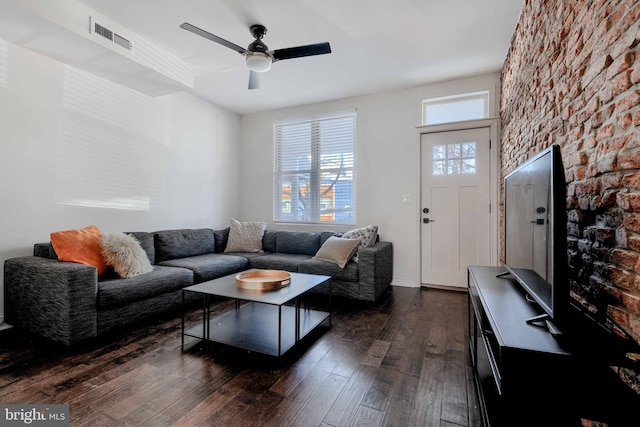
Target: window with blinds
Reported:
[(314, 170)]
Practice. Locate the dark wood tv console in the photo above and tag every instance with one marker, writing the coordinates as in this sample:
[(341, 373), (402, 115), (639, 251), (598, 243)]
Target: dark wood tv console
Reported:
[(519, 368), (525, 376)]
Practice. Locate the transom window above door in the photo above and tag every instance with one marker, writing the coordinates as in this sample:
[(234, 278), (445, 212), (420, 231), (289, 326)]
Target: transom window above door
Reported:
[(455, 108)]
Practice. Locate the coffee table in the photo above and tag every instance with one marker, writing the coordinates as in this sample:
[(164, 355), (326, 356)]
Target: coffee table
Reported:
[(261, 321)]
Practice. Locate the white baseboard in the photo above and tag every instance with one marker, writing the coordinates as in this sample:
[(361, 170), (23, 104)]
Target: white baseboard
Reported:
[(407, 283), (446, 288)]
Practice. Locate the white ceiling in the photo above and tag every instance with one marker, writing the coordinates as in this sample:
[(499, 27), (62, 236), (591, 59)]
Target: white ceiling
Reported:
[(377, 45)]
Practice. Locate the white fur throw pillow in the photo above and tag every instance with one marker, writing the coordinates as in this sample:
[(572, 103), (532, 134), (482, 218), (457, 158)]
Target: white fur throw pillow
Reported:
[(124, 253), (245, 236)]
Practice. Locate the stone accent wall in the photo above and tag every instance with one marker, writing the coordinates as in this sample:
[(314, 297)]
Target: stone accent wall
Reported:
[(571, 78)]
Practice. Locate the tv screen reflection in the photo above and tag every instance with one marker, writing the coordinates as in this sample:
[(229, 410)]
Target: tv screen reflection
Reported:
[(527, 241)]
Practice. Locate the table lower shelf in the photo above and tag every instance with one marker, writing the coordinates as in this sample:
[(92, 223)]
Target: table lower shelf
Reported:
[(254, 327)]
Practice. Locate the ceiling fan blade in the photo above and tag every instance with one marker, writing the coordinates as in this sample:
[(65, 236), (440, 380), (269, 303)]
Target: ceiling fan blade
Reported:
[(213, 37), (254, 80), (300, 51)]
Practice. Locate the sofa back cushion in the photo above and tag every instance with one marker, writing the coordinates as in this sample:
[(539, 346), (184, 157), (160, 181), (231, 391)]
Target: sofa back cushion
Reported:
[(44, 250), (324, 235), (269, 240), (146, 241), (222, 237), (172, 244), (297, 242)]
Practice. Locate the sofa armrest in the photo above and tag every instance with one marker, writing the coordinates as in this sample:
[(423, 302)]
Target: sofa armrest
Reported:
[(375, 267), (51, 298)]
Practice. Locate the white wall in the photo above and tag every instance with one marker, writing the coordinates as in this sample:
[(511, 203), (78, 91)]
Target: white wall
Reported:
[(387, 163), (194, 142)]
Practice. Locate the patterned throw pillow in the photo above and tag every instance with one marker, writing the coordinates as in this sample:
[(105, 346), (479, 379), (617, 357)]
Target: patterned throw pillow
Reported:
[(245, 236), (367, 236), (124, 253), (80, 245)]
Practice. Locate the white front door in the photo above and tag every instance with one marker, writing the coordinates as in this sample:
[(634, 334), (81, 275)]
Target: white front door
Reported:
[(455, 205)]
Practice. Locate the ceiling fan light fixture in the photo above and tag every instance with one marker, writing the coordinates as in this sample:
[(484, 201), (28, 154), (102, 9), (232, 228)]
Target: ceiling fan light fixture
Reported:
[(258, 62)]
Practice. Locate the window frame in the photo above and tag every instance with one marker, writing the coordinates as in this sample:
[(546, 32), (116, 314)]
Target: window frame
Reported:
[(315, 170)]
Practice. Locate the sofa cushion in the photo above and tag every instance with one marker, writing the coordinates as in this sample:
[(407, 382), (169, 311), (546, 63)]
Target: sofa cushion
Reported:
[(146, 241), (221, 237), (81, 246), (116, 291), (172, 244), (297, 242), (123, 252), (316, 266), (269, 241), (44, 250), (287, 262), (210, 266), (247, 255), (324, 235)]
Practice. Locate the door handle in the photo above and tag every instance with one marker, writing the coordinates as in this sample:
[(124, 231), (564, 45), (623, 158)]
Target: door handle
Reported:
[(427, 220)]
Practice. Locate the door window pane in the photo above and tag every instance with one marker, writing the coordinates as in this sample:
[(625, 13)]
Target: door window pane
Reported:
[(454, 159)]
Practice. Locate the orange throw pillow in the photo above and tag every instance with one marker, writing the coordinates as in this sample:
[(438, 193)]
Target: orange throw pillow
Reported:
[(82, 246)]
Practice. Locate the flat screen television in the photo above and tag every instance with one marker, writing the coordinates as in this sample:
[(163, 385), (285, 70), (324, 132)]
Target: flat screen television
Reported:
[(536, 234)]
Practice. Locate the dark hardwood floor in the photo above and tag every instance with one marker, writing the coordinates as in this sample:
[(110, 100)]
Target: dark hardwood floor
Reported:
[(400, 362)]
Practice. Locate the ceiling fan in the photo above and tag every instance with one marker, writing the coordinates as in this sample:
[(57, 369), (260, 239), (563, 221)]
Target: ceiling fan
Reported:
[(257, 55)]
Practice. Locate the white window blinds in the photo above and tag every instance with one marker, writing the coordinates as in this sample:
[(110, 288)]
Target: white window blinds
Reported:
[(314, 169)]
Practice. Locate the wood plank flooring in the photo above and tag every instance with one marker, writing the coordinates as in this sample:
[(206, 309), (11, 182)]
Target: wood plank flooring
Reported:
[(402, 361)]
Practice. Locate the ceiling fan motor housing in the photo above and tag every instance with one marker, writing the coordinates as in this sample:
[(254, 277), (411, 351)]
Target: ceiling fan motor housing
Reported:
[(258, 46), (258, 31)]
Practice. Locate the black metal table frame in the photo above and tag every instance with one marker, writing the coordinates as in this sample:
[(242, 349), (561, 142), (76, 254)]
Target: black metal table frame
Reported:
[(207, 320)]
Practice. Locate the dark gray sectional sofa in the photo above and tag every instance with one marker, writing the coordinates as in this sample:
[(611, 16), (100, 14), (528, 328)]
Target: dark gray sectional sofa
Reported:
[(67, 302)]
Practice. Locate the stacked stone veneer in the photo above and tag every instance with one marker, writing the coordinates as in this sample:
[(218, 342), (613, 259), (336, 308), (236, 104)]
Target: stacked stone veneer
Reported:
[(571, 78)]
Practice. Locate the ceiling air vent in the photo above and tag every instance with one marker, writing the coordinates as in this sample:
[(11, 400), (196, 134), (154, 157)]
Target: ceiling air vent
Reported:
[(110, 35)]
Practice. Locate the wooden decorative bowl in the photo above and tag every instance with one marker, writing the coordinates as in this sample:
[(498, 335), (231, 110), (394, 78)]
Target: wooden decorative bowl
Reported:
[(263, 280)]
